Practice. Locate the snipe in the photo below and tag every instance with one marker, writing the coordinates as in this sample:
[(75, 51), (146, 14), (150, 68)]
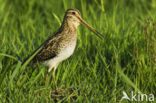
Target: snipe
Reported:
[(61, 45)]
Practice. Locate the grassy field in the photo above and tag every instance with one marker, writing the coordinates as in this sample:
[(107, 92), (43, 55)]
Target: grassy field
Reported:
[(99, 70)]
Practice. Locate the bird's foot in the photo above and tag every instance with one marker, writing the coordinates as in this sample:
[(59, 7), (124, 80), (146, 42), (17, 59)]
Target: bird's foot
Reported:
[(61, 93)]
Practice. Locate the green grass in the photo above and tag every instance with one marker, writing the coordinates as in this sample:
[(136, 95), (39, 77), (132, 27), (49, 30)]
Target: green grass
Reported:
[(125, 60)]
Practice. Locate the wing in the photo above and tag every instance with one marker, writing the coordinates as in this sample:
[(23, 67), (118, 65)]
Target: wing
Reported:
[(48, 49)]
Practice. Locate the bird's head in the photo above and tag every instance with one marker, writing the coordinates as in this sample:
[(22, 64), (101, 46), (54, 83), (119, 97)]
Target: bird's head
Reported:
[(73, 17)]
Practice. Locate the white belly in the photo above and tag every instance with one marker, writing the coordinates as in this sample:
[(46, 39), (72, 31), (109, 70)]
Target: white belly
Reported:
[(64, 54)]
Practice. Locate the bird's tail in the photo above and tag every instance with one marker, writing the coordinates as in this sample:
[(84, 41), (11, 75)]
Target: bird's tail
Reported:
[(22, 61), (19, 59)]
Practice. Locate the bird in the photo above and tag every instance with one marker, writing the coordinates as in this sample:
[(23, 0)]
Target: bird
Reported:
[(61, 45)]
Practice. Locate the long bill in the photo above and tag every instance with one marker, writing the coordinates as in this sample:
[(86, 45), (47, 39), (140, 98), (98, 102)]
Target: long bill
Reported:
[(91, 28)]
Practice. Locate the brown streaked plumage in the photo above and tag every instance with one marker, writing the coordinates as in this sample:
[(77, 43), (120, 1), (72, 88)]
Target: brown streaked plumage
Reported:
[(61, 45)]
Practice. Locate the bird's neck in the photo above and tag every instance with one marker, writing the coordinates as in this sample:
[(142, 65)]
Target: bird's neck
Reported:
[(70, 26)]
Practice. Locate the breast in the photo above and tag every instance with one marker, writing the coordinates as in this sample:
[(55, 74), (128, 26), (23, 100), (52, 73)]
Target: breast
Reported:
[(67, 52), (62, 55), (66, 47)]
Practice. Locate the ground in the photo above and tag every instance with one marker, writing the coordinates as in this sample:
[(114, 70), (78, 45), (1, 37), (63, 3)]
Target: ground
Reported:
[(99, 70)]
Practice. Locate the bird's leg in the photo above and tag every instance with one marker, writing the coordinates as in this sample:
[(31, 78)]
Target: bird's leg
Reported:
[(47, 80), (57, 91), (54, 81)]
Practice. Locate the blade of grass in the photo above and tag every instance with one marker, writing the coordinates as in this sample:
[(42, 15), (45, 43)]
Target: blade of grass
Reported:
[(7, 55), (125, 78), (57, 18), (15, 72)]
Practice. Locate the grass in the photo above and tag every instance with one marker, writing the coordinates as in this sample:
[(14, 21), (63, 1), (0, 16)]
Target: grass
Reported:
[(102, 69)]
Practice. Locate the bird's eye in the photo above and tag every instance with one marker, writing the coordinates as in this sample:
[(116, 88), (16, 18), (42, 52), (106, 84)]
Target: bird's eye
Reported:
[(73, 13)]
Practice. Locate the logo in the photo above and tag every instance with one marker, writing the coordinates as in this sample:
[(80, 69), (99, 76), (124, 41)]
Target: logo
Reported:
[(137, 97)]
